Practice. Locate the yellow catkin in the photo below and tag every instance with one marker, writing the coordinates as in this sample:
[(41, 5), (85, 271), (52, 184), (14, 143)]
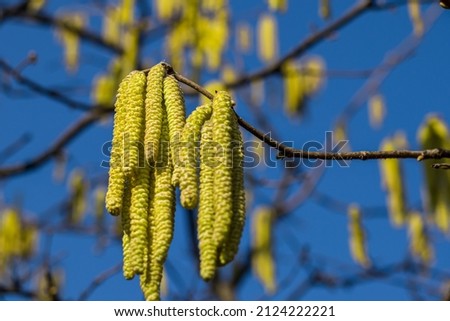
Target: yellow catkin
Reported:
[(164, 210), (116, 182), (231, 246), (294, 87), (377, 110), (392, 179), (434, 133), (145, 277), (70, 39), (154, 111), (207, 248), (243, 36), (128, 271), (416, 17), (263, 263), (190, 139), (36, 5), (134, 126), (357, 239), (267, 37), (420, 245), (325, 9), (176, 115), (277, 5), (78, 188), (222, 122), (111, 25), (140, 186)]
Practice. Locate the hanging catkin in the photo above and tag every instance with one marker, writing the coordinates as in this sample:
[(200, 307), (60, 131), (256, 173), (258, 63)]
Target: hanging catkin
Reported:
[(135, 113), (174, 103), (151, 109), (128, 270), (139, 218), (207, 248), (189, 156), (222, 122), (154, 111), (230, 248), (163, 216), (114, 195)]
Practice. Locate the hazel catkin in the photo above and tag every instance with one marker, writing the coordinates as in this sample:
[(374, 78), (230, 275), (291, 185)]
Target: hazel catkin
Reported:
[(174, 104), (134, 126), (114, 195), (163, 217), (154, 111), (222, 122), (189, 156), (205, 220), (230, 248)]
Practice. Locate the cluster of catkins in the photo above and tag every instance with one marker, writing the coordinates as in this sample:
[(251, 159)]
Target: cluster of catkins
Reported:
[(156, 149)]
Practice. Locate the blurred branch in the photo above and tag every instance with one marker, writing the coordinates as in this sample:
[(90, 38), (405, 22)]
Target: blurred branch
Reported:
[(15, 146), (392, 60), (441, 166), (38, 88), (77, 128), (305, 45), (21, 10), (99, 280)]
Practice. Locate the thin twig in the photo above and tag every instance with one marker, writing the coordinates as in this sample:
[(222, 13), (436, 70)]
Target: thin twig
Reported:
[(99, 280), (305, 45), (73, 131), (287, 151), (441, 166), (38, 88)]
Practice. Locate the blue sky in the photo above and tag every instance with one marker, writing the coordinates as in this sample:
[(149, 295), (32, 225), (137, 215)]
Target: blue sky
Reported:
[(416, 87)]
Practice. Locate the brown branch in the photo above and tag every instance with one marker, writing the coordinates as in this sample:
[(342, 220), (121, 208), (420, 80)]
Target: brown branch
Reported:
[(21, 11), (305, 45), (392, 60), (38, 88), (14, 147), (289, 152), (99, 280), (441, 166), (73, 131)]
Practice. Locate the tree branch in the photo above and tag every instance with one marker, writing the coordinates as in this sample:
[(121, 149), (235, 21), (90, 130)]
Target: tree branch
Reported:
[(21, 11), (286, 151), (38, 88), (59, 144), (305, 45)]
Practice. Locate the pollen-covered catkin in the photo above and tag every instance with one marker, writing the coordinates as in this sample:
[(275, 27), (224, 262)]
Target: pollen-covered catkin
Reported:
[(205, 221), (114, 195), (222, 122), (163, 213), (145, 277), (128, 271), (154, 111), (134, 126), (140, 188), (231, 246), (176, 116), (189, 153)]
